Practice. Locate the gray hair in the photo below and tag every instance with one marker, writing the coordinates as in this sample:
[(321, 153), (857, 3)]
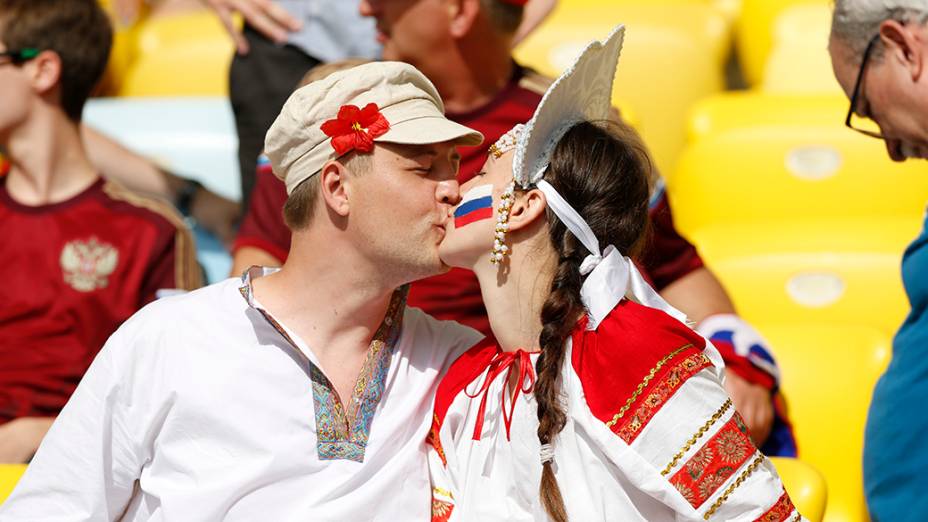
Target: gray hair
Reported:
[(856, 22)]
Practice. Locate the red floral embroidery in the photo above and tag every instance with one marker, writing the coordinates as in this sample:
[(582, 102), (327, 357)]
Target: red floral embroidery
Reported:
[(441, 510), (632, 425), (355, 129), (780, 511), (714, 463)]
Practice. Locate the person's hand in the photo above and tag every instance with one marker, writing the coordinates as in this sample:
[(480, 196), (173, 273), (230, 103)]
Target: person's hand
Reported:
[(754, 404), (266, 16), (216, 214), (20, 438)]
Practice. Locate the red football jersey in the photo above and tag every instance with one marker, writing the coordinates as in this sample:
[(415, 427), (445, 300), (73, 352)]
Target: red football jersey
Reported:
[(456, 294), (75, 271)]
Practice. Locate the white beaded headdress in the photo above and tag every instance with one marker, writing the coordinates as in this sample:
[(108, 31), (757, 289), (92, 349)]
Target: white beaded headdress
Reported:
[(582, 93)]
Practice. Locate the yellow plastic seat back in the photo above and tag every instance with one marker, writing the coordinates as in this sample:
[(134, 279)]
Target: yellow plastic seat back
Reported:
[(805, 485), (792, 173), (755, 32), (828, 376), (730, 9), (177, 55), (9, 476), (799, 61), (673, 55), (738, 110), (811, 275)]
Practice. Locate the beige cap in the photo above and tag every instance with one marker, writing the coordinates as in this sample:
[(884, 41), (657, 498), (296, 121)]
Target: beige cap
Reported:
[(297, 146)]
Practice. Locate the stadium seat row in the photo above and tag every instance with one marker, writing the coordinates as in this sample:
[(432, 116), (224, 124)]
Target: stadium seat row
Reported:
[(805, 222), (675, 54)]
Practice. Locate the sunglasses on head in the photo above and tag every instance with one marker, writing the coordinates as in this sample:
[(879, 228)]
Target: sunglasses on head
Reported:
[(19, 56)]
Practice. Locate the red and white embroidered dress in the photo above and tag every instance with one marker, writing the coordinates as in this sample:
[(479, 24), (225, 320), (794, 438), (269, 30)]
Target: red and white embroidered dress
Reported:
[(651, 434)]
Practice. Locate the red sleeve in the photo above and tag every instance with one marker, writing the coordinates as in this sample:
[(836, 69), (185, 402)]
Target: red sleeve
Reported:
[(162, 273), (667, 256), (263, 226), (634, 351), (174, 265)]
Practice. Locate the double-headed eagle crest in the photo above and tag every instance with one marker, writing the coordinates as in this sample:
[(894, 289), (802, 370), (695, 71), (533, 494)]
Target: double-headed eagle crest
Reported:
[(87, 264)]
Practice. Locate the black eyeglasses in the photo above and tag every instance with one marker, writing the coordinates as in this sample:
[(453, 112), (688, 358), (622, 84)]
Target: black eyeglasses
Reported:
[(852, 111), (20, 55)]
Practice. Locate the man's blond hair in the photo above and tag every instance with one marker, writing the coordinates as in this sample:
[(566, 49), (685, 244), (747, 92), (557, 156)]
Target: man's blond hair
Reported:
[(301, 203)]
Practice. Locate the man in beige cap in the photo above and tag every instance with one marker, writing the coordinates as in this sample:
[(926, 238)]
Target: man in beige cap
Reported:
[(298, 394)]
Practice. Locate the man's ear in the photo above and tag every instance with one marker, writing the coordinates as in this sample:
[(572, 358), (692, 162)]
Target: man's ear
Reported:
[(463, 15), (45, 70), (904, 45), (334, 190), (527, 208)]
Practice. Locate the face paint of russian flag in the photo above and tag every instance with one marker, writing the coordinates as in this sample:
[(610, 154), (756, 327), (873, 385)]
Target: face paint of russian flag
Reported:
[(477, 205)]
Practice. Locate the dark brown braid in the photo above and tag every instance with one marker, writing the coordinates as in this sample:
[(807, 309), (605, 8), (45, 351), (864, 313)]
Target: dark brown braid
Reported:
[(603, 171)]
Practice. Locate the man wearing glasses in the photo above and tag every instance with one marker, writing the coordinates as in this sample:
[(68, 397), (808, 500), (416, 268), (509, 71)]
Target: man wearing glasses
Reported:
[(879, 51)]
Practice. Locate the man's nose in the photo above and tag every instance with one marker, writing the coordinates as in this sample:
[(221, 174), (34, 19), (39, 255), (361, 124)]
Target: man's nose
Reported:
[(449, 192), (894, 148)]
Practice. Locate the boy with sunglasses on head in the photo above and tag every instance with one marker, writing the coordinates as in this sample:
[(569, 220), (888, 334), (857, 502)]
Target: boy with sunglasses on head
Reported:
[(84, 254)]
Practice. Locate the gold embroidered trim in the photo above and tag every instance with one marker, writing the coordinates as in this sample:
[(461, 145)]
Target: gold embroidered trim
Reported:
[(692, 440), (443, 492), (728, 491), (798, 517), (644, 383)]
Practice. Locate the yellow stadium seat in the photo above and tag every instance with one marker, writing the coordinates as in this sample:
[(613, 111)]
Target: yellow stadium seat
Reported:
[(736, 110), (9, 476), (805, 486), (730, 9), (178, 55), (774, 173), (834, 277), (121, 55), (673, 55), (755, 33), (799, 61), (828, 376)]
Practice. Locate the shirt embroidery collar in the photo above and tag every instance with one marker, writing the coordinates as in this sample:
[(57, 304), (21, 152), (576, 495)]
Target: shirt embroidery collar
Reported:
[(342, 430)]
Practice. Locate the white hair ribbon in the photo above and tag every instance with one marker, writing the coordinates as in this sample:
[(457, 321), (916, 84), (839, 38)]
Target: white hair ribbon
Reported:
[(546, 453), (610, 276)]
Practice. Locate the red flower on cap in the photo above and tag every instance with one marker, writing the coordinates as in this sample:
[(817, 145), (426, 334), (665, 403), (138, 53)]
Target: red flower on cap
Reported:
[(355, 129)]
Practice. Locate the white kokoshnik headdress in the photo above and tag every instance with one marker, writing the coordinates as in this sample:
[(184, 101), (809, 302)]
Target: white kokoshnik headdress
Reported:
[(582, 93)]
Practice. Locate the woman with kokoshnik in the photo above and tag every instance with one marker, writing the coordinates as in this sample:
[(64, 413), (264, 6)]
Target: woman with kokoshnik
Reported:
[(595, 401)]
